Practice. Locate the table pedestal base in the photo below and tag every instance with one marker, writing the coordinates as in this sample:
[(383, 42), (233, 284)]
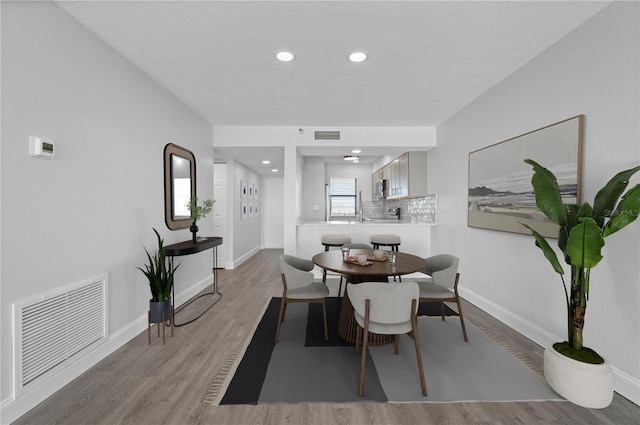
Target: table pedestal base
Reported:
[(347, 325)]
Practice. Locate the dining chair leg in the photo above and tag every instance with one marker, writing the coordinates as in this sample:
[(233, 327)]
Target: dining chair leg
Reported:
[(324, 318), (464, 330), (414, 326), (442, 310), (365, 337), (358, 337), (280, 318), (396, 345)]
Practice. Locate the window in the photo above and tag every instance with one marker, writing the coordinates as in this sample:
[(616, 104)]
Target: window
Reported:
[(342, 195)]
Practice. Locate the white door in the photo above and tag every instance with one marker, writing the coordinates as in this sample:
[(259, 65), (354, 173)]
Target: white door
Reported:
[(273, 225), (220, 211)]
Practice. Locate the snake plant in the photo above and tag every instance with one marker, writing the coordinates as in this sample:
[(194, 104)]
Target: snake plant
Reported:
[(583, 229), (159, 272)]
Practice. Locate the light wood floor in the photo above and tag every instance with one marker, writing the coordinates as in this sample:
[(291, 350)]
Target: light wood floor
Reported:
[(156, 384)]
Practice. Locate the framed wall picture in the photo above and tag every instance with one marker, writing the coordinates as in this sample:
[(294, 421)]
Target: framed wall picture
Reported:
[(250, 206), (243, 189), (244, 210), (500, 192), (255, 207), (256, 195), (250, 191)]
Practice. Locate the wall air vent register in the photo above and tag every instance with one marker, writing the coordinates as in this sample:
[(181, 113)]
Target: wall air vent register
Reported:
[(326, 135)]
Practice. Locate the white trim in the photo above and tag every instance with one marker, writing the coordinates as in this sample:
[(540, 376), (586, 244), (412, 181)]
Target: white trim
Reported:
[(624, 384), (14, 407), (244, 258)]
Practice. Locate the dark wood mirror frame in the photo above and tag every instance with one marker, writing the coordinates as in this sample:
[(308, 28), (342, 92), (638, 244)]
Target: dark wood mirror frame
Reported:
[(170, 152)]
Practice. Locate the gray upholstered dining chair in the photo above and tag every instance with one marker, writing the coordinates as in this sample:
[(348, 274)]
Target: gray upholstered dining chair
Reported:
[(442, 284), (388, 309), (298, 286)]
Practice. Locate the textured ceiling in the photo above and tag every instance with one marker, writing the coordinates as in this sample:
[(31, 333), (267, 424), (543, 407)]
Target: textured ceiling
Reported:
[(427, 59)]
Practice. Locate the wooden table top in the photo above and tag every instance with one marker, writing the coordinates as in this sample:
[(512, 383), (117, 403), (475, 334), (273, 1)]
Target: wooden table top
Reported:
[(405, 264)]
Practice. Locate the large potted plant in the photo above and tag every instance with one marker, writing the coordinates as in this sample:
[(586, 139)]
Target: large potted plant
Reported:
[(159, 272), (198, 212), (576, 372)]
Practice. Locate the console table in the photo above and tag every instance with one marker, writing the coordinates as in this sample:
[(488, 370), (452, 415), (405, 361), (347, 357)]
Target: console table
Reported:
[(187, 248)]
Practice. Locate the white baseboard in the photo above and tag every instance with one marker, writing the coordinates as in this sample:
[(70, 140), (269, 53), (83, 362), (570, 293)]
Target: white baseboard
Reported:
[(624, 384), (245, 257), (14, 407)]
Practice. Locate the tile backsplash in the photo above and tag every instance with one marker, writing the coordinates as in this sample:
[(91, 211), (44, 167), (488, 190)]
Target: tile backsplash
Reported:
[(416, 210)]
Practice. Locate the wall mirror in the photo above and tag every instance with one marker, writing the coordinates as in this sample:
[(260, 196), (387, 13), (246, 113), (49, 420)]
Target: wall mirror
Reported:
[(179, 185)]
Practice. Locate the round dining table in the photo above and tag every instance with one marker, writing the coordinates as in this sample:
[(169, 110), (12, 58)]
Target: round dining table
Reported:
[(373, 271)]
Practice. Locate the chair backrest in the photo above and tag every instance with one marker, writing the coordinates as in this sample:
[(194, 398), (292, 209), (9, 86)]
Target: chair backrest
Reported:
[(357, 246), (296, 271), (390, 303), (443, 269)]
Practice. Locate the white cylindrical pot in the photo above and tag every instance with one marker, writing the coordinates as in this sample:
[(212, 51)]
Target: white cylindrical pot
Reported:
[(584, 384)]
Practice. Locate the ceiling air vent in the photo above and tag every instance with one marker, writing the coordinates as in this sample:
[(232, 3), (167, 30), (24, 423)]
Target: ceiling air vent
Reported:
[(326, 135)]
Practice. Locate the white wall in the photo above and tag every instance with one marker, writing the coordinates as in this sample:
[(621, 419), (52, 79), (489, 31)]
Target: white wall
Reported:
[(247, 233), (273, 217), (92, 208), (313, 189), (592, 71)]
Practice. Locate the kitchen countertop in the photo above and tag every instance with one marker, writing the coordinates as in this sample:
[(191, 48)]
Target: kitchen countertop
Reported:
[(416, 237)]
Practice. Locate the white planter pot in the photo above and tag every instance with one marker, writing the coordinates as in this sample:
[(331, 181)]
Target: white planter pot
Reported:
[(584, 384)]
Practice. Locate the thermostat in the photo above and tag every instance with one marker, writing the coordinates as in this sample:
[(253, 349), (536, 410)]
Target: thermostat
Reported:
[(41, 147)]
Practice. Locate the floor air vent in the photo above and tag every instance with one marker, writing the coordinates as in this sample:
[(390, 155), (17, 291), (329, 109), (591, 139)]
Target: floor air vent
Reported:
[(327, 135), (52, 329)]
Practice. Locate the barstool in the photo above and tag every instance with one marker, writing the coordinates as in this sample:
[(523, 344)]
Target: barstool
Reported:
[(333, 241), (386, 240)]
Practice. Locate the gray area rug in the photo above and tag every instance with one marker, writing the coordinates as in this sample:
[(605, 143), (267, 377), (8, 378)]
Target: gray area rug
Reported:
[(478, 370)]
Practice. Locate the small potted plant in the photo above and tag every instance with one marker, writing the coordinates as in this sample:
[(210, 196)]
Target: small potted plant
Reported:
[(160, 273), (576, 372), (198, 212)]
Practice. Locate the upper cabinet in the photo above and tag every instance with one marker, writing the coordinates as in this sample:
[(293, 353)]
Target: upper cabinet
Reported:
[(404, 177)]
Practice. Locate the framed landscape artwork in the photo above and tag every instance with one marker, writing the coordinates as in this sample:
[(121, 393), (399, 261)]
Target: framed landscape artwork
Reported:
[(500, 192)]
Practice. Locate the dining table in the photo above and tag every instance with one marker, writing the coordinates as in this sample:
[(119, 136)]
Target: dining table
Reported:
[(374, 270)]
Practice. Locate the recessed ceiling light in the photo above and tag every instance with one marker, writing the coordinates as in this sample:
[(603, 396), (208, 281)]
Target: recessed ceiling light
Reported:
[(285, 56), (356, 151), (274, 170), (358, 57), (351, 158), (266, 161)]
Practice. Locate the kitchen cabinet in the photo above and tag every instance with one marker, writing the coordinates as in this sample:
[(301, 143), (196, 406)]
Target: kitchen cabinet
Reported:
[(406, 176)]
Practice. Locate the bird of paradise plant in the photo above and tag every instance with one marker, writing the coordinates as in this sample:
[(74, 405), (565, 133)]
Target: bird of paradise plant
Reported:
[(583, 229)]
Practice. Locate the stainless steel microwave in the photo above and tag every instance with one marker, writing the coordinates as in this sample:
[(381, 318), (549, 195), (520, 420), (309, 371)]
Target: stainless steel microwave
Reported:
[(383, 189)]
